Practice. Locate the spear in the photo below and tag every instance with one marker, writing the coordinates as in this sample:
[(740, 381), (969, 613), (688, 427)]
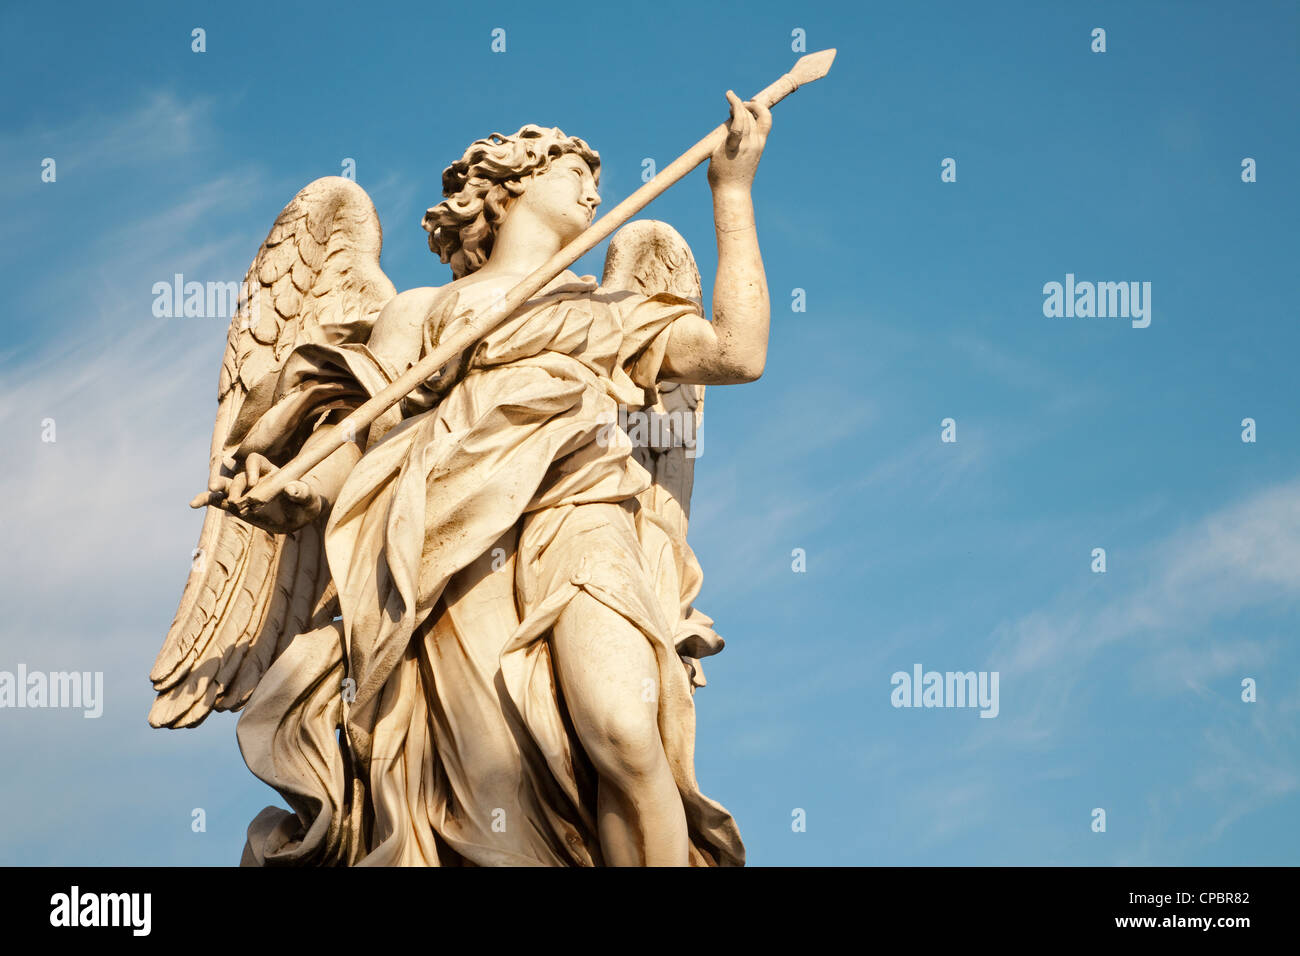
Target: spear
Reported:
[(808, 68)]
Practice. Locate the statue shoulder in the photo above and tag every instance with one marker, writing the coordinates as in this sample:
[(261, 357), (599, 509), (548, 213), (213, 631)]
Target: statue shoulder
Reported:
[(398, 331), (413, 300)]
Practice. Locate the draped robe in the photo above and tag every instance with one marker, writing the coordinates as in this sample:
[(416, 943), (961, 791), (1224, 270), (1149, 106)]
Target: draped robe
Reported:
[(478, 511)]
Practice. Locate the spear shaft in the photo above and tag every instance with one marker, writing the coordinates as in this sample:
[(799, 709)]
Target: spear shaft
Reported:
[(808, 68)]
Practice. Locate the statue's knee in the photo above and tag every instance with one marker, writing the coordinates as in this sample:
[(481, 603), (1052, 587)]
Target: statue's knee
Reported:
[(628, 746)]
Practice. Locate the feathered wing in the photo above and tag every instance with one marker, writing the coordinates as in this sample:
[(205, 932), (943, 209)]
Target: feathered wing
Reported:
[(316, 278), (647, 257)]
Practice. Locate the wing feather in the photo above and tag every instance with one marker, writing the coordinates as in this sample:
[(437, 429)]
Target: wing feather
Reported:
[(262, 651), (316, 278), (648, 257)]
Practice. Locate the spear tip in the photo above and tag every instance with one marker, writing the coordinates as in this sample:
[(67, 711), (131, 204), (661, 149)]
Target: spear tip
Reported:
[(813, 66)]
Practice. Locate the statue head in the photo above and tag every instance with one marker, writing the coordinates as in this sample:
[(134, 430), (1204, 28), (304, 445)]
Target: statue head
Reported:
[(484, 184)]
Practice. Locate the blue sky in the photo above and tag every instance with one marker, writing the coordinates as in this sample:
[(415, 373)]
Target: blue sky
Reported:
[(924, 301)]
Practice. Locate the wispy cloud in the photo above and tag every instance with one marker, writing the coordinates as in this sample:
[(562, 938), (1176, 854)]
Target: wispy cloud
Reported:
[(97, 519), (159, 127), (1168, 633), (1242, 556)]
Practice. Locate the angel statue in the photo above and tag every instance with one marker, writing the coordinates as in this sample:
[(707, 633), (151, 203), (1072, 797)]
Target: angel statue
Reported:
[(467, 636)]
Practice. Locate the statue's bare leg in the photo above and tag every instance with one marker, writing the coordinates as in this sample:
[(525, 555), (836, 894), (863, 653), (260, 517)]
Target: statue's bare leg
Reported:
[(607, 671)]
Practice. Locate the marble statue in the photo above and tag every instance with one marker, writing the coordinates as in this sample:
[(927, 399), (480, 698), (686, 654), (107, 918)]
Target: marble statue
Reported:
[(466, 635)]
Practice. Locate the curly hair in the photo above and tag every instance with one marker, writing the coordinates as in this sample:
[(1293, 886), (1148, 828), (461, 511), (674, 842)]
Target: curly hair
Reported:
[(479, 185)]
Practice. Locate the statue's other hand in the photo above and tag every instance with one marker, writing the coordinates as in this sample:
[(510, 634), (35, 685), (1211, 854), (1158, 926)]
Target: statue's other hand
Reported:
[(297, 505)]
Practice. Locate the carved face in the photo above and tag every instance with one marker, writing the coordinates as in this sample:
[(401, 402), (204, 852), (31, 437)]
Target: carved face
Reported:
[(564, 196)]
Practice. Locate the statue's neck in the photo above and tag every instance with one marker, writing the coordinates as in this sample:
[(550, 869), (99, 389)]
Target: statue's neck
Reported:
[(522, 246)]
